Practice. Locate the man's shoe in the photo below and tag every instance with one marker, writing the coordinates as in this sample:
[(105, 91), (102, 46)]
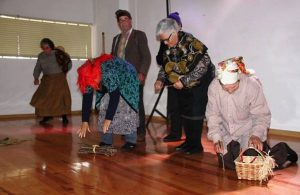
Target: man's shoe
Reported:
[(127, 147), (182, 147), (65, 120), (171, 138)]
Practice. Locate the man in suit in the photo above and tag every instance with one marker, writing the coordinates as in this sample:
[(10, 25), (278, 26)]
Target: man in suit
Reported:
[(132, 46)]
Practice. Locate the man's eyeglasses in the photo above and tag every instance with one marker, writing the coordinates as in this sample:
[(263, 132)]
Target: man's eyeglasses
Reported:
[(168, 39)]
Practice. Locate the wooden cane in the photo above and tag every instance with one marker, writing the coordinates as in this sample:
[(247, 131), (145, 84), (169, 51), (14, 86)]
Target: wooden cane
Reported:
[(103, 43)]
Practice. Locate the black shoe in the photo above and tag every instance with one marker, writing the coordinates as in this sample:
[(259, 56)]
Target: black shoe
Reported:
[(292, 155), (182, 147), (194, 150), (65, 120), (127, 147), (104, 144), (45, 120), (171, 138)]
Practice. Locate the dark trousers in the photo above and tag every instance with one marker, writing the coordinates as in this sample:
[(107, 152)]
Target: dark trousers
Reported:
[(193, 131), (192, 105), (173, 111), (281, 153), (141, 129)]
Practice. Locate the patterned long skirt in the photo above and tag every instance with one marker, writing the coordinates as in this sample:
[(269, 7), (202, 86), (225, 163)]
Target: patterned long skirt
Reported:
[(125, 120)]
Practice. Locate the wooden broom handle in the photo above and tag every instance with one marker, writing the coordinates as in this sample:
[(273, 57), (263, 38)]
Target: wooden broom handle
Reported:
[(103, 43)]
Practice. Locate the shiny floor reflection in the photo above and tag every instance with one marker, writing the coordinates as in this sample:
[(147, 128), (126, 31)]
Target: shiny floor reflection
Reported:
[(49, 164)]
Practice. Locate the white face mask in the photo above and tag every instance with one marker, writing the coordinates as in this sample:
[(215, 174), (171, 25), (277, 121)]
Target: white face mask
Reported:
[(229, 75)]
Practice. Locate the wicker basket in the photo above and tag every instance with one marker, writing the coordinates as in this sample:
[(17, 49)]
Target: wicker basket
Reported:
[(254, 167)]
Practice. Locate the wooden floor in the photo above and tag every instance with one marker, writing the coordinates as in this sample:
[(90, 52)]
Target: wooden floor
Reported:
[(49, 164)]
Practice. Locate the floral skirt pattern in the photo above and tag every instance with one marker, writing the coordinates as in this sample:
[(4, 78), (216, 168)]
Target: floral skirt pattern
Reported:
[(125, 121)]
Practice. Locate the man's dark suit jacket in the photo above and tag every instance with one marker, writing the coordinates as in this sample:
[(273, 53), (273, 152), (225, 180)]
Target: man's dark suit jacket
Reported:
[(136, 52)]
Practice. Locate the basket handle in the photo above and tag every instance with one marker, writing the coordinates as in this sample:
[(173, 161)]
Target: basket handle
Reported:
[(259, 152)]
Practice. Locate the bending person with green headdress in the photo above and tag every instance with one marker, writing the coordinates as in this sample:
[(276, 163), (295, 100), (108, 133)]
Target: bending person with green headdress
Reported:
[(117, 95)]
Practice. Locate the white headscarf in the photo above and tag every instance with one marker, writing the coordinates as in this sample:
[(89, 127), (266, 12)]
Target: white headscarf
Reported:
[(228, 70)]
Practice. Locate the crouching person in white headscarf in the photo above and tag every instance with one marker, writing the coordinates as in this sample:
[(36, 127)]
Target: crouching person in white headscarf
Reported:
[(238, 116)]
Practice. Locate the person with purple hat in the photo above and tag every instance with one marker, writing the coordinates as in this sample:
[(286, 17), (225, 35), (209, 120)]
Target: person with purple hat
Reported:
[(172, 98), (188, 69)]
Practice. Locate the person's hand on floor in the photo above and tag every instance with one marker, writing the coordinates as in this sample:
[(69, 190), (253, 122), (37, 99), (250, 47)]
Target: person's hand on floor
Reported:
[(83, 129)]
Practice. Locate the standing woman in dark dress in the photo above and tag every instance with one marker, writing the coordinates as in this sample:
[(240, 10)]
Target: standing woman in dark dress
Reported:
[(52, 98), (172, 100), (188, 68)]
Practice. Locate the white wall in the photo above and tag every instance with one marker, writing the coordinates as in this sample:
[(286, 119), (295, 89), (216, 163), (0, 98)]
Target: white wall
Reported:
[(16, 80), (16, 86), (263, 31), (104, 21), (146, 15), (266, 33)]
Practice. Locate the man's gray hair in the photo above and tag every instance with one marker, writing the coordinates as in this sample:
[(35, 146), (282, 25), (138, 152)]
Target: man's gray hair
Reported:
[(166, 25)]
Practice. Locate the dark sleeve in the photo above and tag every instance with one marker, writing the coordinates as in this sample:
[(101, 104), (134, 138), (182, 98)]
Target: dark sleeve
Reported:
[(161, 75), (114, 98), (159, 56), (197, 73), (145, 54), (87, 101)]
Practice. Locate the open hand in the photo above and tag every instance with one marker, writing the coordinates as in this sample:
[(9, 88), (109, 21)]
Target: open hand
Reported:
[(84, 128), (178, 85), (106, 125), (158, 85)]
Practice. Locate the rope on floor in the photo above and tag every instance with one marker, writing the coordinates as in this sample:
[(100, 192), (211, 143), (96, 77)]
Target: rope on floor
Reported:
[(96, 149)]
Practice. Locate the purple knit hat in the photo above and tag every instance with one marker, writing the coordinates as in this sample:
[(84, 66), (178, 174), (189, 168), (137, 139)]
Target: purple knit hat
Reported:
[(175, 16)]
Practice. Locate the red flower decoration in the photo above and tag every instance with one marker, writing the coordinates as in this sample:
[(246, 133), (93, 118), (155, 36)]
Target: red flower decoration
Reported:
[(89, 74)]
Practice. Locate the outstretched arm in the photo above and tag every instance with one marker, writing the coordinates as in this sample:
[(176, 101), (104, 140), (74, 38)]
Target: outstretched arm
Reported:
[(114, 98), (87, 100), (37, 71), (214, 120)]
